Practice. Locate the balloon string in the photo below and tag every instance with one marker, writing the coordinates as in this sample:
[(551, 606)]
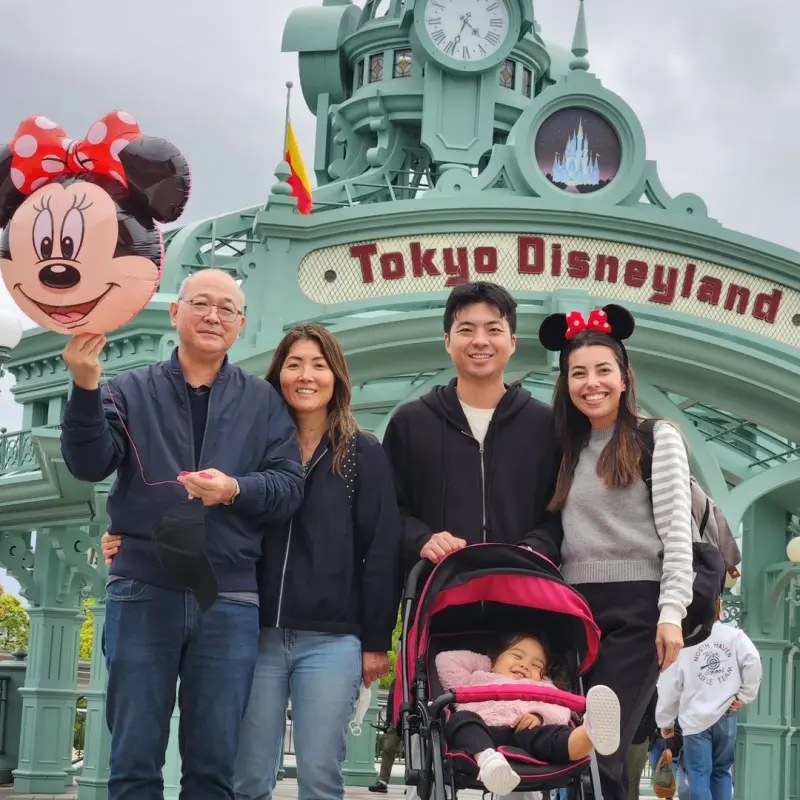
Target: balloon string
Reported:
[(133, 444)]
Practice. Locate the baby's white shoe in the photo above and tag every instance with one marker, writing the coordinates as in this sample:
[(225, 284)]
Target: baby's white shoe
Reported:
[(601, 720), (496, 773)]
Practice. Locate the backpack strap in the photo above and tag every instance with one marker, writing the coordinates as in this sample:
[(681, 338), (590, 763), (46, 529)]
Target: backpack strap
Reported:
[(647, 436), (703, 523)]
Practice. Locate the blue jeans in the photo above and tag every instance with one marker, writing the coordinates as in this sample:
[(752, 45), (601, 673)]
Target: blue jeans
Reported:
[(322, 674), (708, 759), (677, 767), (152, 637)]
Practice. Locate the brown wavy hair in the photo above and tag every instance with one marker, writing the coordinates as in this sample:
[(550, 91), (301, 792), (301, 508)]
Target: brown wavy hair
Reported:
[(619, 463), (342, 425)]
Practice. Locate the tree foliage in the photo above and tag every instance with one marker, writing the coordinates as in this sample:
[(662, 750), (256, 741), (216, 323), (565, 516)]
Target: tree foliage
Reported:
[(386, 680), (87, 631), (14, 623)]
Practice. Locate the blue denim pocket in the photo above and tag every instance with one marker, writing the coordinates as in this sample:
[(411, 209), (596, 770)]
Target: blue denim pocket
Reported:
[(127, 589)]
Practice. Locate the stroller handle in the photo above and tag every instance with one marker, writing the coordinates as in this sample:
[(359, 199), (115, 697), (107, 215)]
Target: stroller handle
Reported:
[(417, 571), (510, 691)]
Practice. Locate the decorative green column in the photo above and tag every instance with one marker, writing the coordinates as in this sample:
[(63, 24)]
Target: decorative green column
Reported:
[(359, 766), (93, 781), (761, 752), (50, 690)]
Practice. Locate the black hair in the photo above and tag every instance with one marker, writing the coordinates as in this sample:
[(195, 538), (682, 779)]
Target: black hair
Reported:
[(555, 668), (158, 190), (469, 294)]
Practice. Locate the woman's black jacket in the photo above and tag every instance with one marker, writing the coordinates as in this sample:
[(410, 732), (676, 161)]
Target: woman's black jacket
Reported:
[(335, 567)]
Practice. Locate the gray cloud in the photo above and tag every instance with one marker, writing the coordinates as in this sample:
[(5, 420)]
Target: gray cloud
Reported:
[(713, 84)]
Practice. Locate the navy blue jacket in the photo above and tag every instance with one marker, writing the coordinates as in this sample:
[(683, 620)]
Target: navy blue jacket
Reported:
[(336, 567), (249, 436)]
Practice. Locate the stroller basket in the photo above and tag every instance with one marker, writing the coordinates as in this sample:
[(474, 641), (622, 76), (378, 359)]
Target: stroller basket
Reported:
[(464, 601)]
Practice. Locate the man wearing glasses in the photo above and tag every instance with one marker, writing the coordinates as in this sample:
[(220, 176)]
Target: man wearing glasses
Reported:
[(204, 454)]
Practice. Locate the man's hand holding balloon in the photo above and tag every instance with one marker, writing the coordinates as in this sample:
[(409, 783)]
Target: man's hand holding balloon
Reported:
[(211, 486), (82, 357)]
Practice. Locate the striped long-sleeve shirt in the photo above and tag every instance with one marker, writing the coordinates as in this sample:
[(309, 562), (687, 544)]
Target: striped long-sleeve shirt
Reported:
[(618, 535)]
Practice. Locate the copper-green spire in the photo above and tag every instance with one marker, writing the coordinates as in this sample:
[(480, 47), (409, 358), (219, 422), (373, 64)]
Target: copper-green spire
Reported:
[(580, 44)]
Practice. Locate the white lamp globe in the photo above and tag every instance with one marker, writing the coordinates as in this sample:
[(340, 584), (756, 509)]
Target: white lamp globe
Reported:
[(10, 330), (793, 550)]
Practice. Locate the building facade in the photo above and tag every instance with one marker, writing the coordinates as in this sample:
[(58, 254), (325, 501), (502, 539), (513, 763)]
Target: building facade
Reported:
[(453, 142)]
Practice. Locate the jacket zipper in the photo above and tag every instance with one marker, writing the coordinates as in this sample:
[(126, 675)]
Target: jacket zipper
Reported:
[(288, 545), (483, 486), (196, 460)]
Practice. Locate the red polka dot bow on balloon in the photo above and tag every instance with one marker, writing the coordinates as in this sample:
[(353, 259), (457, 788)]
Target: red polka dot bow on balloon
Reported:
[(41, 151), (598, 321)]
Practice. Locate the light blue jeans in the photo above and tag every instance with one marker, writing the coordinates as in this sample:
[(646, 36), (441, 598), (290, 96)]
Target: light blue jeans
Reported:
[(708, 759), (322, 674)]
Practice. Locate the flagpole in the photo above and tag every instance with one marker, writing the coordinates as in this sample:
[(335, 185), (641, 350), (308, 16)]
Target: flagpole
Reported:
[(289, 86)]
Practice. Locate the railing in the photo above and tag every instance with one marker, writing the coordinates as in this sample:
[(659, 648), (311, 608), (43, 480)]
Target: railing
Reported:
[(17, 451)]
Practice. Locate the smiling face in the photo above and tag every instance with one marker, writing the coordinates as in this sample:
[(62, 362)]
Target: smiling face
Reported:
[(307, 382), (61, 270), (525, 659), (480, 342), (595, 384)]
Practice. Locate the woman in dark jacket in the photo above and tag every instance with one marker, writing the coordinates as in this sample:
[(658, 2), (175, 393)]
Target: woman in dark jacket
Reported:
[(330, 580)]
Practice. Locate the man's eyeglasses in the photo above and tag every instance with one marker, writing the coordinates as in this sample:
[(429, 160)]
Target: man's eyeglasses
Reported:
[(202, 308)]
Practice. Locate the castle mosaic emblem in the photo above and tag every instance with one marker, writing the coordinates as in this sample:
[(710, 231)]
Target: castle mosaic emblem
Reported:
[(577, 150)]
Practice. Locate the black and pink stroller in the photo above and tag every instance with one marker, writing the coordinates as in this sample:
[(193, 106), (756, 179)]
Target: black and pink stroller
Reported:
[(467, 599)]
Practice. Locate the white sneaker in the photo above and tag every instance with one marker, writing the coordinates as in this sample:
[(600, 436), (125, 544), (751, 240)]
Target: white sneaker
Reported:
[(601, 719), (496, 773)]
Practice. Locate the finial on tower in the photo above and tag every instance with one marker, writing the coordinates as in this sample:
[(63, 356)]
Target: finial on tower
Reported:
[(580, 43)]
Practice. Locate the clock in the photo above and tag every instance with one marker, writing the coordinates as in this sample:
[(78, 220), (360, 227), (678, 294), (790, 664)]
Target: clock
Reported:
[(467, 35)]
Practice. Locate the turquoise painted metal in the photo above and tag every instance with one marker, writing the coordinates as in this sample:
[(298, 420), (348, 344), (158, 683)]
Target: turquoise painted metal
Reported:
[(512, 163)]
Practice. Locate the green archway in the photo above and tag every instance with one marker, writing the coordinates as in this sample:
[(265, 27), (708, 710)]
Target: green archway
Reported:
[(431, 171)]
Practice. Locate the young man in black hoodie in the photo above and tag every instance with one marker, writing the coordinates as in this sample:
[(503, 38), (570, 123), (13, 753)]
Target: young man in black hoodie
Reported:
[(474, 461)]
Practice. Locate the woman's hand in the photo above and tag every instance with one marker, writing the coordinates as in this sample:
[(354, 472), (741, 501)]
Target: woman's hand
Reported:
[(373, 667), (110, 544), (669, 641), (526, 722)]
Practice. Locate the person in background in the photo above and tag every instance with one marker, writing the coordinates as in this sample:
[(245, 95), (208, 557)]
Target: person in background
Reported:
[(705, 690), (637, 752), (197, 426)]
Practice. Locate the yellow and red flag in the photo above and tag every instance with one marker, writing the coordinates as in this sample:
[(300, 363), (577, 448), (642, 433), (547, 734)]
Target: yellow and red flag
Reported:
[(298, 180)]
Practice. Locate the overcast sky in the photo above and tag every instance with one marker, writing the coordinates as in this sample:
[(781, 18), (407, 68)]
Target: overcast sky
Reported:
[(714, 83)]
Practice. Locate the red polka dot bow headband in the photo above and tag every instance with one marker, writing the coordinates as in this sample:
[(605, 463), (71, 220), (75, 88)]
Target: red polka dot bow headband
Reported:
[(562, 332), (41, 150), (598, 321)]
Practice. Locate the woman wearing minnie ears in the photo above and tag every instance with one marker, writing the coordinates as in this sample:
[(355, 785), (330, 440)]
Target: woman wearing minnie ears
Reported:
[(629, 556)]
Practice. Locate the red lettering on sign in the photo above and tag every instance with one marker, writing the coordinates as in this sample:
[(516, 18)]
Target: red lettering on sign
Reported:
[(688, 280), (485, 259), (635, 274), (710, 290), (664, 284), (530, 263), (364, 253), (737, 299), (600, 268), (766, 306), (393, 266), (459, 270), (577, 264), (555, 260), (422, 261)]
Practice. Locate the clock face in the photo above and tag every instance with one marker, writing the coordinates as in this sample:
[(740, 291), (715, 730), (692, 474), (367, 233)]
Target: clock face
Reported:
[(467, 30)]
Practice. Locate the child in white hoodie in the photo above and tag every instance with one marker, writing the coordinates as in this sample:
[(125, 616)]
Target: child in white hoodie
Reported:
[(704, 689)]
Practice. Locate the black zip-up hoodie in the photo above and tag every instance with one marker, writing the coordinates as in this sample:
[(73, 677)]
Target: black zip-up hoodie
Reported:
[(336, 567), (446, 481)]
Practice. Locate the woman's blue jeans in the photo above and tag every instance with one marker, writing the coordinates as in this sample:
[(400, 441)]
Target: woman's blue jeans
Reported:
[(322, 674)]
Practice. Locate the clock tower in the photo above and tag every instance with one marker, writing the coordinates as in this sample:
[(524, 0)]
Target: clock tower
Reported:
[(460, 46)]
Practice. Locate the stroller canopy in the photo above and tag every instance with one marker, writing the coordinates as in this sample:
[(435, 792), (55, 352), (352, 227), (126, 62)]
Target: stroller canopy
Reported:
[(501, 587)]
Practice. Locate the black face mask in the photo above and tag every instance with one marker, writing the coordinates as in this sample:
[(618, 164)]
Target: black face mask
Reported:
[(180, 540)]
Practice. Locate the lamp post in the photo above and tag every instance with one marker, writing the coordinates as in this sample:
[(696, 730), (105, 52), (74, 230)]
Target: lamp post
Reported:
[(777, 579)]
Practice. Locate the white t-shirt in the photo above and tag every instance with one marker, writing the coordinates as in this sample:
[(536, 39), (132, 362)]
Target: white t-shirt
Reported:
[(701, 685), (479, 419)]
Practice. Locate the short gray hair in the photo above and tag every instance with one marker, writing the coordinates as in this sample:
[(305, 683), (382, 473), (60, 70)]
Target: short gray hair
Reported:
[(185, 281)]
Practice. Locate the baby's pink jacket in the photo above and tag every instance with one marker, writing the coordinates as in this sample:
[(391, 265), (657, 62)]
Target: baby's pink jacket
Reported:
[(460, 668)]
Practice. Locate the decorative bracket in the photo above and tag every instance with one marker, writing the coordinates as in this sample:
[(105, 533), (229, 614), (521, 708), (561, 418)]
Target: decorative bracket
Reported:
[(776, 578)]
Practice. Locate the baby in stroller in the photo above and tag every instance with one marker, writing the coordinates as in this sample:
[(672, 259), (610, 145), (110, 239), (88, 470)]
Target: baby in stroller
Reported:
[(541, 729)]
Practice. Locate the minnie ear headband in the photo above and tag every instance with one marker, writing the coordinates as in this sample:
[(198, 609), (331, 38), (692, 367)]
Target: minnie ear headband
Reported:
[(558, 331)]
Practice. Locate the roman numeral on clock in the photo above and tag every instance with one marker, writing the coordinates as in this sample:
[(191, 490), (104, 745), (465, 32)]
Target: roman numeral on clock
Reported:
[(493, 6), (438, 36), (497, 22), (465, 53), (492, 38), (434, 20), (450, 47)]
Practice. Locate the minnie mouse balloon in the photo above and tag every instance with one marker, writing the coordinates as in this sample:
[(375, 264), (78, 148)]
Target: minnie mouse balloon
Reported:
[(81, 250)]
